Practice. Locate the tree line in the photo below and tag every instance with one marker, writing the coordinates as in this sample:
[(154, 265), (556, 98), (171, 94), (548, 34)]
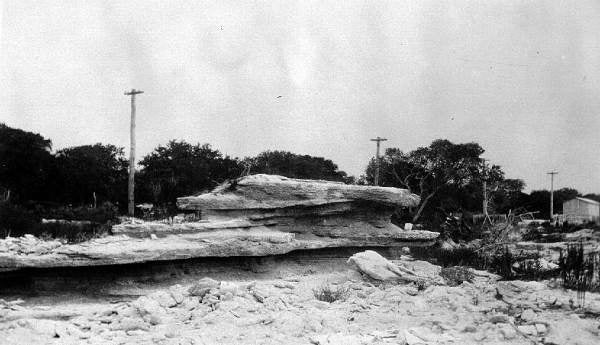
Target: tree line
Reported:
[(94, 174), (449, 177)]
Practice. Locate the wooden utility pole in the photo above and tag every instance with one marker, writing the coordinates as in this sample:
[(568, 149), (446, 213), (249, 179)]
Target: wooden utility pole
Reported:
[(377, 162), (485, 196), (131, 185), (552, 173)]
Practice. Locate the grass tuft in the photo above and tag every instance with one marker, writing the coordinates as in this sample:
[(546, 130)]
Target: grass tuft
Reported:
[(327, 293)]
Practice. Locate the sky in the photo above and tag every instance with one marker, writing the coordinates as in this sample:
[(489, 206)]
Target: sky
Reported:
[(521, 78)]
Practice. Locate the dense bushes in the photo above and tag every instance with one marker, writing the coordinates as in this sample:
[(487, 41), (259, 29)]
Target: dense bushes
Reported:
[(577, 269), (500, 261), (17, 220)]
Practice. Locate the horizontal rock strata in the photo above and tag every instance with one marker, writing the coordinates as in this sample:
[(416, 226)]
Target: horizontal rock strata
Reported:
[(256, 215)]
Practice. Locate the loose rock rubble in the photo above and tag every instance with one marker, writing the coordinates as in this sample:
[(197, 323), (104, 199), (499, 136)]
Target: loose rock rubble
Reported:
[(279, 309)]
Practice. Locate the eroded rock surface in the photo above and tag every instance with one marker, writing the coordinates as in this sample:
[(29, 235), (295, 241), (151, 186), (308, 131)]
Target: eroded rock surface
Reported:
[(256, 215)]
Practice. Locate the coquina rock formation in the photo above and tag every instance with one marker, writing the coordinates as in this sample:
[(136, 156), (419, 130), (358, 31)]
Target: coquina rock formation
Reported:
[(256, 215)]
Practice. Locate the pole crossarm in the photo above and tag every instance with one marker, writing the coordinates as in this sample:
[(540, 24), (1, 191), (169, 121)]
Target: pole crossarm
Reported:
[(133, 92)]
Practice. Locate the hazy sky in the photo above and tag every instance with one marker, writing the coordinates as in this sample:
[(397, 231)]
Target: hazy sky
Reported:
[(522, 78)]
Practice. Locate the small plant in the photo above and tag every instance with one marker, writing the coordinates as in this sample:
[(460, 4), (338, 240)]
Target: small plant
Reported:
[(421, 284), (502, 264), (455, 276), (579, 271), (327, 293)]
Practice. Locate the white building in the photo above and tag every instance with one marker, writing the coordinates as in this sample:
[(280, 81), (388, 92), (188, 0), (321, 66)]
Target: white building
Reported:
[(581, 210)]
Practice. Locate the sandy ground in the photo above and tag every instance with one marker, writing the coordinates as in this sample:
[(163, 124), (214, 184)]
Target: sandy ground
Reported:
[(277, 306)]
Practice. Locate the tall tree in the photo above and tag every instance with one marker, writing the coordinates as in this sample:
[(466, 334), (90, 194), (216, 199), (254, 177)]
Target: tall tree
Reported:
[(92, 170), (296, 166), (428, 171), (25, 163), (180, 168)]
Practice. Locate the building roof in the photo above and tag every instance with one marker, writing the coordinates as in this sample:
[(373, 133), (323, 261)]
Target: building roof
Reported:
[(589, 201)]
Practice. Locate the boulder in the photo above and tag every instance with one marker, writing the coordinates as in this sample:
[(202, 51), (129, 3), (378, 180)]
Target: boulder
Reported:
[(379, 268)]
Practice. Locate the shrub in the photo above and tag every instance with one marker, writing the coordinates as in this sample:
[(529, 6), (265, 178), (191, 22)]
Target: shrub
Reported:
[(456, 275), (17, 220), (327, 293), (497, 260), (73, 232), (502, 264), (107, 212), (461, 256)]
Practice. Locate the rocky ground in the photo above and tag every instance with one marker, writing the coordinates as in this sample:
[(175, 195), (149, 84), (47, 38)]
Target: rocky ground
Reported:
[(277, 305)]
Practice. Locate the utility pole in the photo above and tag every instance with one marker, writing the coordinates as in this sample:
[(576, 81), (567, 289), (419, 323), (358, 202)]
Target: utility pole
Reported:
[(552, 173), (377, 162), (131, 185), (485, 197)]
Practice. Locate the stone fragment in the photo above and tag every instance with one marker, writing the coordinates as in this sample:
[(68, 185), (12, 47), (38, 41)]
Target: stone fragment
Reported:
[(377, 267), (499, 318), (470, 329), (427, 335), (202, 287), (528, 315), (541, 328), (177, 293), (150, 310), (411, 339), (163, 298), (527, 329), (229, 287), (508, 331), (130, 324)]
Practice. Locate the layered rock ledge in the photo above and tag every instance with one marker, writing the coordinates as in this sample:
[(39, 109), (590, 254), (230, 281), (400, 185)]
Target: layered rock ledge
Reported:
[(256, 215)]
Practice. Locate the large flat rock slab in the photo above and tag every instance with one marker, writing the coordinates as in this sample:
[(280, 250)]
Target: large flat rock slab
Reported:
[(123, 249), (272, 191)]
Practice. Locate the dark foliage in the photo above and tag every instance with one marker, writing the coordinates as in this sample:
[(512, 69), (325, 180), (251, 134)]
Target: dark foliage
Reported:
[(17, 220), (180, 169), (579, 271), (462, 256), (25, 164), (83, 171), (296, 166), (73, 232), (448, 177), (539, 200), (500, 261), (104, 213)]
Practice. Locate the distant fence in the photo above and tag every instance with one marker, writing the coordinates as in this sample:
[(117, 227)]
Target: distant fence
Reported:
[(495, 218)]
